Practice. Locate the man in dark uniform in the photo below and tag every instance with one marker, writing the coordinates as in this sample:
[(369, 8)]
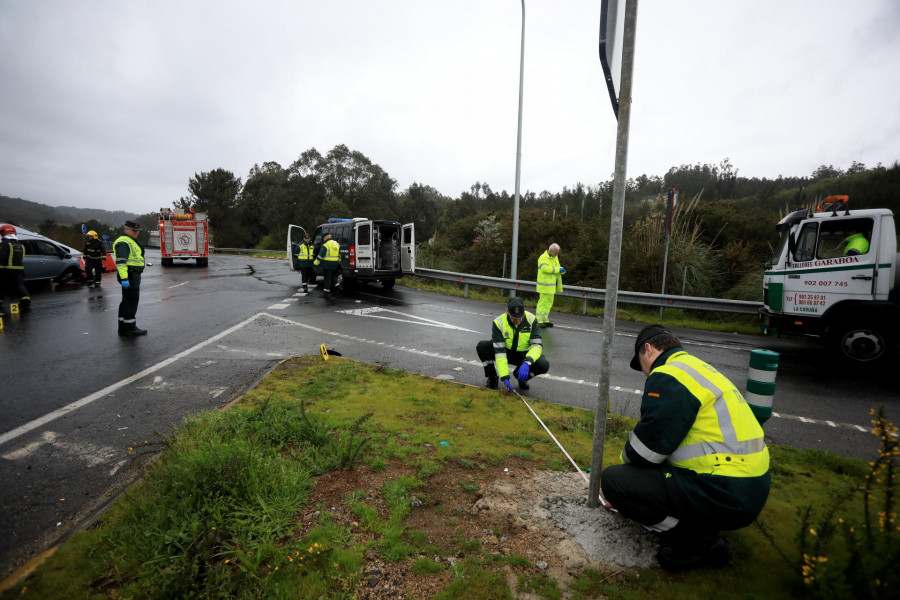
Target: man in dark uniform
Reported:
[(515, 339), (129, 266), (306, 254), (94, 253), (696, 463), (12, 267)]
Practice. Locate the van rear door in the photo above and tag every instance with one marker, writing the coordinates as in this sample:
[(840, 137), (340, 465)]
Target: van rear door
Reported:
[(408, 249), (295, 235), (364, 247)]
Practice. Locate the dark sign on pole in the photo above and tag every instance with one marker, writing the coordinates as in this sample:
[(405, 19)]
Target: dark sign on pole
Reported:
[(612, 31)]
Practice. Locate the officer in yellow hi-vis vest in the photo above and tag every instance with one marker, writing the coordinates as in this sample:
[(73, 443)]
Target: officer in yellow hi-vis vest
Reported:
[(305, 257), (129, 266), (515, 339), (330, 259), (696, 463)]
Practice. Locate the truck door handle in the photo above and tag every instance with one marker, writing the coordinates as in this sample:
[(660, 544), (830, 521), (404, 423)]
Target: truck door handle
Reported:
[(863, 277), (793, 277)]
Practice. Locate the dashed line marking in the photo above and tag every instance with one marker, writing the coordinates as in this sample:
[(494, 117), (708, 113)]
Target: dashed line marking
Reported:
[(806, 420)]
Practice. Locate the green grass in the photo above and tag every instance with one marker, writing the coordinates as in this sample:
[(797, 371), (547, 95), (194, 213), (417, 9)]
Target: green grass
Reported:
[(219, 515)]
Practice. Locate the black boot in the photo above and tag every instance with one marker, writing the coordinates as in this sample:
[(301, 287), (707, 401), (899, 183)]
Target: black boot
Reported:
[(492, 382), (683, 555)]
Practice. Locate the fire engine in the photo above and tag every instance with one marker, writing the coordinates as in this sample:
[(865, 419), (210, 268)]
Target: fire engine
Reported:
[(820, 285), (183, 234)]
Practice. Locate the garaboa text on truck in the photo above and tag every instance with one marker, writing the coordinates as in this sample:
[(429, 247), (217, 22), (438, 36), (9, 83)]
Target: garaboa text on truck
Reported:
[(183, 234), (834, 276)]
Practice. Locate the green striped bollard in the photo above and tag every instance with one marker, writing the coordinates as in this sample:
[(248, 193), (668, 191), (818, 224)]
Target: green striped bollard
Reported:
[(761, 383)]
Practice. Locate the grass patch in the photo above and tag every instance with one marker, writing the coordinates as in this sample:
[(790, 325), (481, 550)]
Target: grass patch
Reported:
[(229, 511)]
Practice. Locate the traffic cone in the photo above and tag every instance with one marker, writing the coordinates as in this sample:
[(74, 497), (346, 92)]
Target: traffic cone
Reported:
[(109, 265)]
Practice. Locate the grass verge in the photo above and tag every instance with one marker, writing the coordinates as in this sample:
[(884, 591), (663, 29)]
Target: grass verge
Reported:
[(330, 472)]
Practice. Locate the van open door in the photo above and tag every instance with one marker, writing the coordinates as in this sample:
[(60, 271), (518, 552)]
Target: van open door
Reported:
[(408, 249), (295, 235)]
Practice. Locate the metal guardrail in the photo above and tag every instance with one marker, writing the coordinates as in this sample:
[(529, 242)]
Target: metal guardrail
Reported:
[(742, 307), (585, 293)]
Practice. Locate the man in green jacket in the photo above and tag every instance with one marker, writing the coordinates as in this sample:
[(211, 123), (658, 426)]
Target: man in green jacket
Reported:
[(515, 339), (696, 463), (549, 282), (129, 266)]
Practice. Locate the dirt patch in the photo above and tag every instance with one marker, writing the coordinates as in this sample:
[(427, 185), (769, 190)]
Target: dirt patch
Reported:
[(516, 518)]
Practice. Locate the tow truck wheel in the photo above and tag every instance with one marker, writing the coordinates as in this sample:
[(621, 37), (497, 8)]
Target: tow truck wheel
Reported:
[(862, 343), (388, 283)]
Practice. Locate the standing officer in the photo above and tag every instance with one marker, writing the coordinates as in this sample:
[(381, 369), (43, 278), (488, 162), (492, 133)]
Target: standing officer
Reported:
[(94, 253), (330, 258), (129, 266), (305, 256), (549, 281), (696, 463), (12, 267), (515, 339)]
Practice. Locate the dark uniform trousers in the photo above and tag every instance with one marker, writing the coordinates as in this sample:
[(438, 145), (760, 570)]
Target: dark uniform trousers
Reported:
[(130, 298), (94, 270), (485, 350)]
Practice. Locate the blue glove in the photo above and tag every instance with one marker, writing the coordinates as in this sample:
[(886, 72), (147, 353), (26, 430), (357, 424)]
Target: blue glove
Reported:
[(522, 374), (562, 270), (125, 284), (508, 385)]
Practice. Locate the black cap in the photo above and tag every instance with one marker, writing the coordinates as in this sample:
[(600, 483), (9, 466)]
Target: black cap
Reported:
[(646, 333), (133, 225), (516, 307)]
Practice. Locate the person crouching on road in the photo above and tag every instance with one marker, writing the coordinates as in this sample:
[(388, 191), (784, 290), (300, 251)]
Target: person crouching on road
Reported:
[(515, 339), (330, 259), (129, 266), (94, 253), (696, 463), (549, 282)]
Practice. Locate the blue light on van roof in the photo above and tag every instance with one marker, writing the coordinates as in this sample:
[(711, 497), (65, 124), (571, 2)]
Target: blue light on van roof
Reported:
[(335, 220)]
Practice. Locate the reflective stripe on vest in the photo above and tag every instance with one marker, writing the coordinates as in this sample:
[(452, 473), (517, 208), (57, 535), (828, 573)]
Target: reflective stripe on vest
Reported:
[(525, 343), (306, 252), (332, 251), (135, 258), (546, 282), (726, 438)]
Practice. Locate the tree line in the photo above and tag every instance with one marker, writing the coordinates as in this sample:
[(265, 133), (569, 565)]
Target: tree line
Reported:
[(722, 234)]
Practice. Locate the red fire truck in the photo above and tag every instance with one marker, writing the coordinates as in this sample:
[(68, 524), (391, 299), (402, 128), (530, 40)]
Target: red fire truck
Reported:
[(183, 234)]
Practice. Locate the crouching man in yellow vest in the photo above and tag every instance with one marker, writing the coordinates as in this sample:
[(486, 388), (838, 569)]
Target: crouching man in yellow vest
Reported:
[(696, 463)]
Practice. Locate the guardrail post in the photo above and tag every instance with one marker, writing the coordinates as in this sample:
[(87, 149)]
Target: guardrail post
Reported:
[(465, 290), (761, 383)]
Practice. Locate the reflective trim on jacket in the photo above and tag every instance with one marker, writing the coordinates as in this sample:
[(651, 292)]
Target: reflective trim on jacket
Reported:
[(527, 337), (134, 259), (725, 438), (549, 279)]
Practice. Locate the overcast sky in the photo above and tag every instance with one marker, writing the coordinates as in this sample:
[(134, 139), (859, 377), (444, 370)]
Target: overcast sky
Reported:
[(115, 104)]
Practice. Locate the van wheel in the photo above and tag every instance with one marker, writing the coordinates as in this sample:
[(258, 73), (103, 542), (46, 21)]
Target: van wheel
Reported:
[(347, 283), (388, 283)]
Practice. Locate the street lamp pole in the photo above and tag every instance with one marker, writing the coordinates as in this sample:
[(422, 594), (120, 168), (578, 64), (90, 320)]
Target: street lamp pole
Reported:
[(515, 233)]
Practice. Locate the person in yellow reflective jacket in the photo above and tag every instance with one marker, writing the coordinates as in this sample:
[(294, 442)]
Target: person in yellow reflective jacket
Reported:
[(330, 259), (549, 282), (515, 339), (129, 267), (305, 261), (855, 243), (696, 463)]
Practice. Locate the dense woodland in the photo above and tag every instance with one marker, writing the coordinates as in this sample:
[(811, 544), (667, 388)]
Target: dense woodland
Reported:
[(723, 229)]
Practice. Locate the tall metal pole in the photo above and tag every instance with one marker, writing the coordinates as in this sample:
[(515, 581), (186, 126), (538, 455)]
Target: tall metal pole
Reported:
[(515, 233), (615, 252)]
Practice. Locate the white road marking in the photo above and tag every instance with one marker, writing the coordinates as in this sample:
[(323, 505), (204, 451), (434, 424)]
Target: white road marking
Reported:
[(92, 454), (178, 285), (277, 307), (370, 312)]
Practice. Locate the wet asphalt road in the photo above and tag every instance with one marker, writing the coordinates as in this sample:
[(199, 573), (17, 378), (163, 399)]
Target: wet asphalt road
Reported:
[(75, 396)]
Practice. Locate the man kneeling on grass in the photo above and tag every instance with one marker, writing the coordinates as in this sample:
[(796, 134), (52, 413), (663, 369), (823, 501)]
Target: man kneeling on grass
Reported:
[(696, 463)]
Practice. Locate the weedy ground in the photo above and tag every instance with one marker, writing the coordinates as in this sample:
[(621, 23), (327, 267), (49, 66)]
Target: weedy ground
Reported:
[(338, 479)]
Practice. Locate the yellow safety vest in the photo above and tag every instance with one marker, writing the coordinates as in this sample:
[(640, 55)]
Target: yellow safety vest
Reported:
[(534, 351), (135, 257), (332, 251), (726, 439)]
